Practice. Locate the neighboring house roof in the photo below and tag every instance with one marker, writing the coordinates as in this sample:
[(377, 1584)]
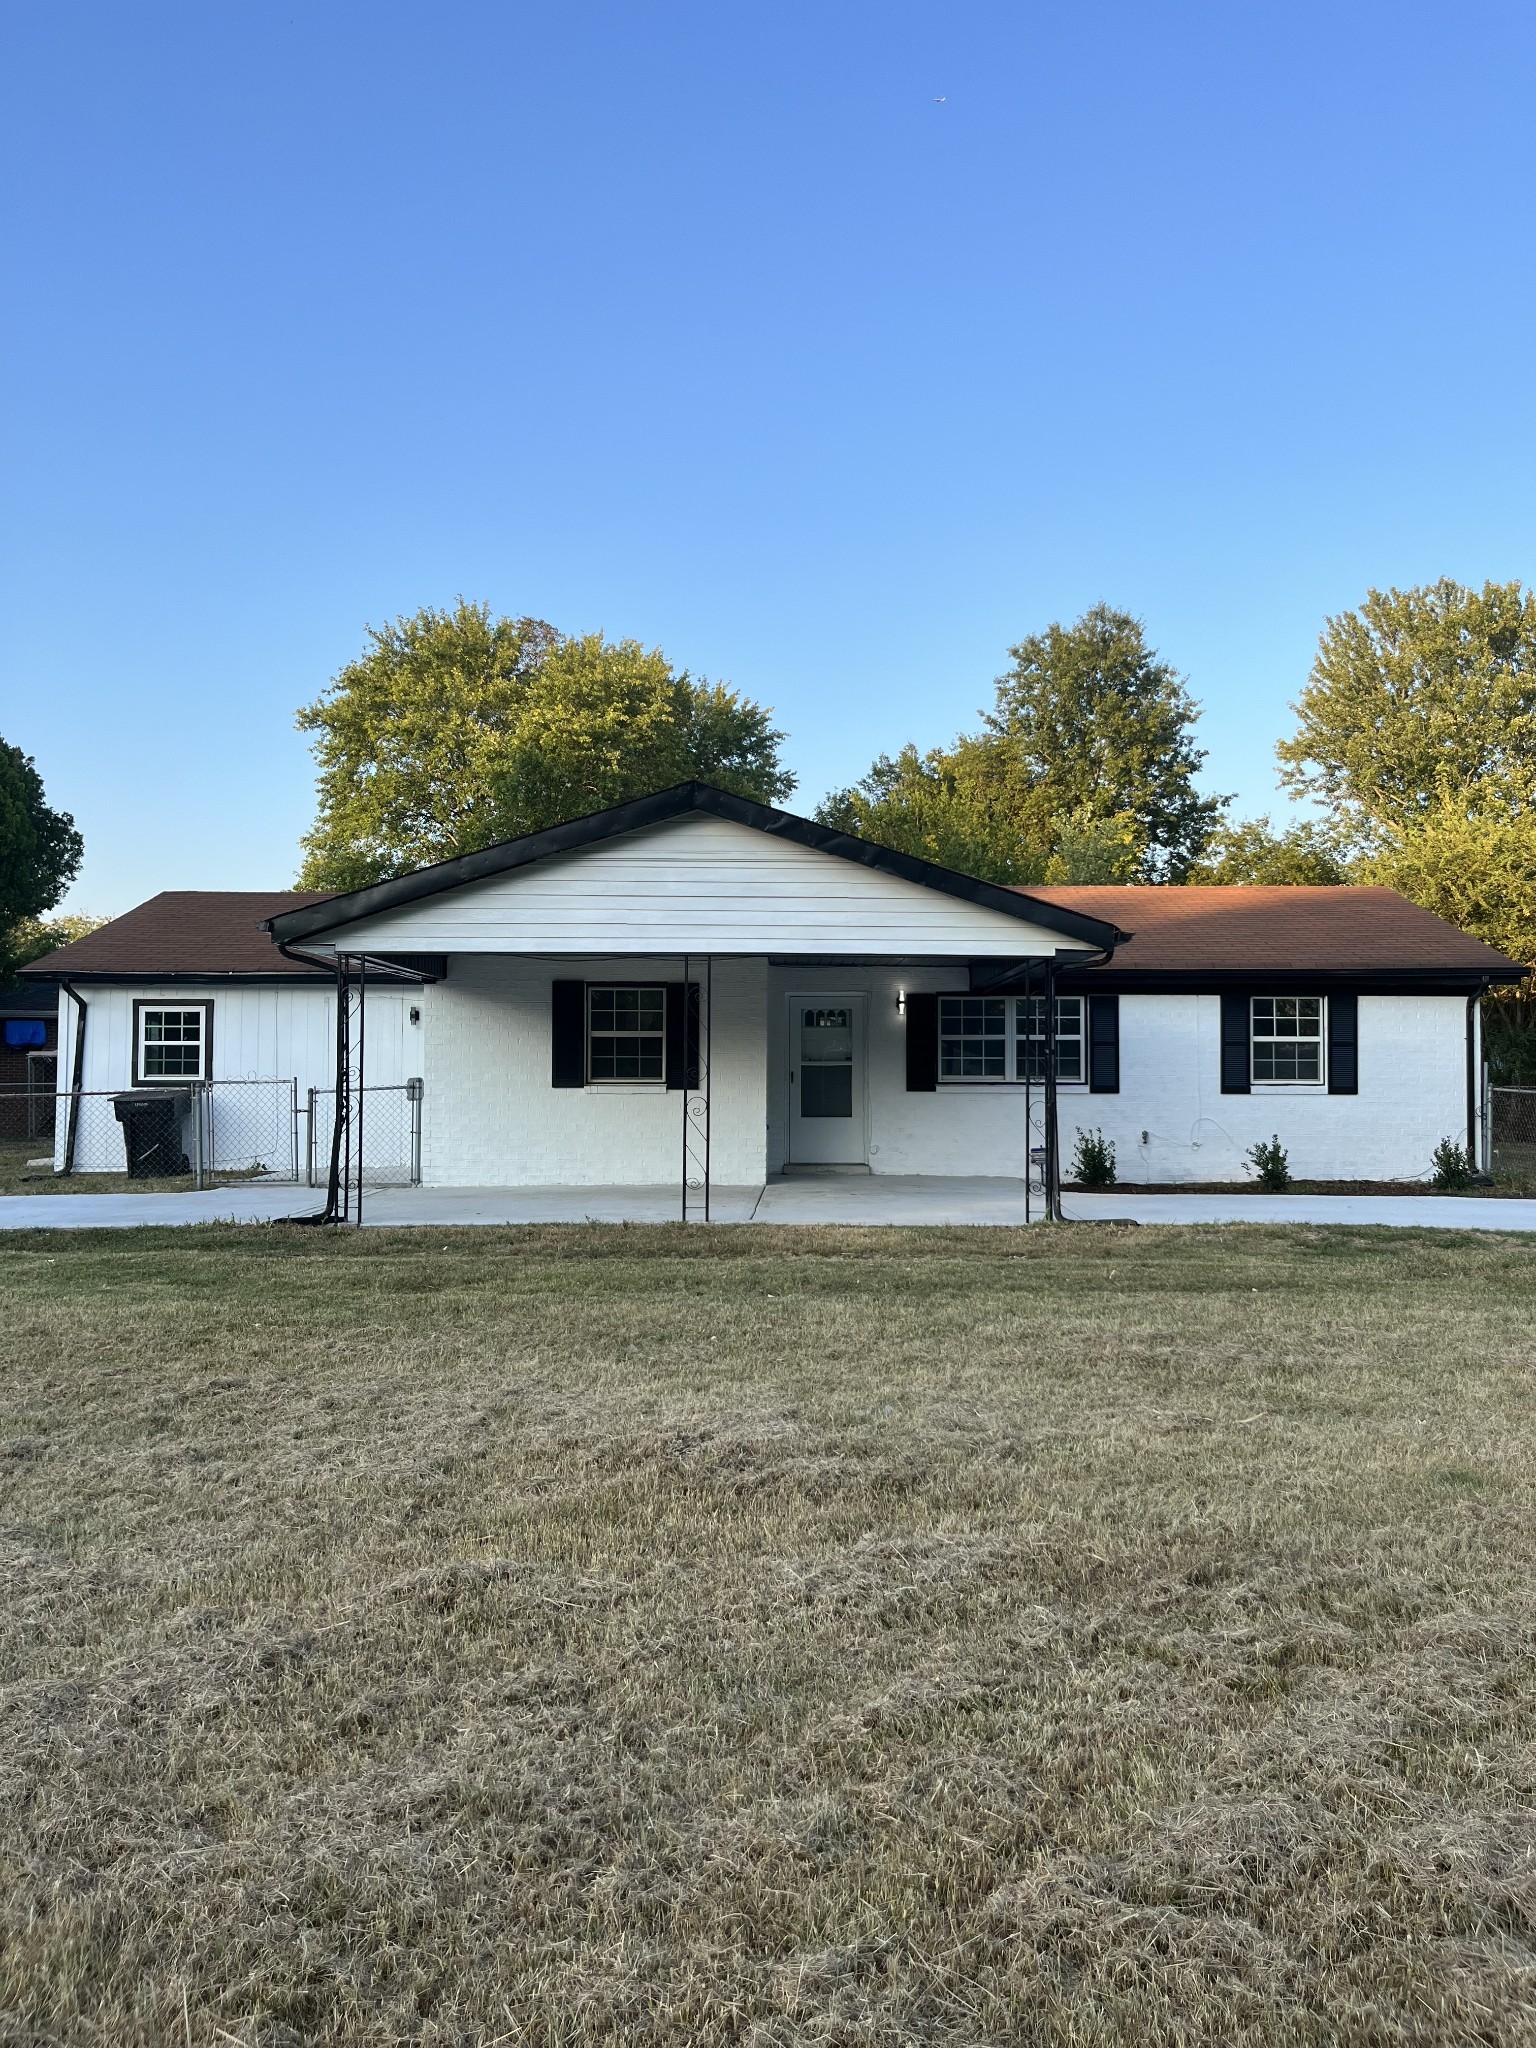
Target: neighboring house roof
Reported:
[(688, 798), (185, 934), (1184, 935)]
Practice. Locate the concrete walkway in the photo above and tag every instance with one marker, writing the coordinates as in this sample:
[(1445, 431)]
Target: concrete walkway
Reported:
[(883, 1199)]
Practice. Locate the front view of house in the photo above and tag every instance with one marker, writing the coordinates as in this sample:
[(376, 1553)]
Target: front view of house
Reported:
[(693, 986)]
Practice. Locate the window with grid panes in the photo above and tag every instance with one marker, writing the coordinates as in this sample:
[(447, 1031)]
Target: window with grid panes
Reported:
[(171, 1044), (626, 1033), (973, 1038), (1031, 1022), (1286, 1038)]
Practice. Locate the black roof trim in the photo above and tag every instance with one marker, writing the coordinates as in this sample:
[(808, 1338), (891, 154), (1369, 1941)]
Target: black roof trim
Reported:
[(204, 977), (1117, 979), (666, 804)]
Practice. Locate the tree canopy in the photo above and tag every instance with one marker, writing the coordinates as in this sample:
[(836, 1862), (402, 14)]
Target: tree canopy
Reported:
[(1418, 701), (455, 729), (1084, 769), (1417, 733), (40, 854), (1253, 852)]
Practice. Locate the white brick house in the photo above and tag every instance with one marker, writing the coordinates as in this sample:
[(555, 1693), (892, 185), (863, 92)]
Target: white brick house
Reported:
[(590, 1005)]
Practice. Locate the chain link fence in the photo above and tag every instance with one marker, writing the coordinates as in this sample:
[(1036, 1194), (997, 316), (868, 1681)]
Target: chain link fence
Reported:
[(27, 1107), (391, 1125), (205, 1132), (1512, 1130)]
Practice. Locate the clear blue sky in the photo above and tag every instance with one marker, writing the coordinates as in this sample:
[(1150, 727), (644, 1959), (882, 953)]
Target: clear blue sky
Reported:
[(831, 347)]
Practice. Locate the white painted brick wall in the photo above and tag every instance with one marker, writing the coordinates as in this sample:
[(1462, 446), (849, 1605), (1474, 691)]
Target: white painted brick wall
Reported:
[(492, 1119), (1412, 1093)]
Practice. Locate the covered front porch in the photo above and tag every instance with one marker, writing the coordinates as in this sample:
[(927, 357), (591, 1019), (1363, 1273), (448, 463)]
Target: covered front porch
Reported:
[(701, 1078)]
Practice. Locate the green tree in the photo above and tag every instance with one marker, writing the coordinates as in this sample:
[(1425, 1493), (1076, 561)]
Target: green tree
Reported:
[(455, 729), (937, 806), (1253, 852), (40, 853), (35, 936), (1093, 849), (1089, 730), (1477, 870), (1088, 722), (1422, 701)]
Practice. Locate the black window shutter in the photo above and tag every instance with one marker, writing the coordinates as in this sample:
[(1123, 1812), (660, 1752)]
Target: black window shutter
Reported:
[(1343, 1045), (922, 1044), (1104, 1045), (1235, 1073), (682, 1035), (568, 1034)]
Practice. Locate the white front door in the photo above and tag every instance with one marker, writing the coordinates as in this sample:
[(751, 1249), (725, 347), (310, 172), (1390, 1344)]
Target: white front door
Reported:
[(827, 1120)]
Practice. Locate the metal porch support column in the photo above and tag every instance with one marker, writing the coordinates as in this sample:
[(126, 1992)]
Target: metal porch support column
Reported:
[(1018, 1040), (344, 1192), (696, 1099), (355, 1119)]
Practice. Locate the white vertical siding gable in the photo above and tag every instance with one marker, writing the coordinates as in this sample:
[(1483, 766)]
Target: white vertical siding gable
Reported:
[(703, 885)]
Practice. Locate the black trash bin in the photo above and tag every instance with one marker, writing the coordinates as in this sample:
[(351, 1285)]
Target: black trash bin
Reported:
[(151, 1119)]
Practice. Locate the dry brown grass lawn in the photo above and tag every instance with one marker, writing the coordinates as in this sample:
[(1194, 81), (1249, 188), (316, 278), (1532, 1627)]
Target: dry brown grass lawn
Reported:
[(596, 1635)]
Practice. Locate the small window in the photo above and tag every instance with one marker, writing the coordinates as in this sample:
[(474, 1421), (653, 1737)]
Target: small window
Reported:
[(171, 1043), (1287, 1038), (626, 1034), (973, 1038), (1069, 1038)]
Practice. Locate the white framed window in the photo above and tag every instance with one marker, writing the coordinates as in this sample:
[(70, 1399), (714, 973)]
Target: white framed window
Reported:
[(172, 1042), (973, 1038), (1286, 1040), (1002, 1038), (626, 1033), (1030, 1029)]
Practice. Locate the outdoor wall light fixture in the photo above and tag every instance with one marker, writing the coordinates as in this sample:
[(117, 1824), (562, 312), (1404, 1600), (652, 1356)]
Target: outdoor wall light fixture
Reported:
[(901, 1002), (415, 1014)]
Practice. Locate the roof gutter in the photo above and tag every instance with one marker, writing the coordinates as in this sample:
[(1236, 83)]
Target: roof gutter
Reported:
[(390, 970)]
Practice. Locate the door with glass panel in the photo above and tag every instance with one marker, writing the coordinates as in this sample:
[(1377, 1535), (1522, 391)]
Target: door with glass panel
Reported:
[(827, 1119)]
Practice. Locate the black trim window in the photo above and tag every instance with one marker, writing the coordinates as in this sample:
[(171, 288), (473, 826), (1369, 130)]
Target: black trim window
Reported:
[(977, 1032), (973, 1038), (1286, 1037), (1069, 1038), (627, 1033), (171, 1042)]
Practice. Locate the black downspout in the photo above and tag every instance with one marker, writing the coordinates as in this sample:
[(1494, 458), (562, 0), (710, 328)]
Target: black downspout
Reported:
[(1473, 1001), (77, 1080)]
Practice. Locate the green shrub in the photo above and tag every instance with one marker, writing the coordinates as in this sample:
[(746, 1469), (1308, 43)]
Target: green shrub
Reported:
[(1453, 1167), (1093, 1163), (1272, 1167)]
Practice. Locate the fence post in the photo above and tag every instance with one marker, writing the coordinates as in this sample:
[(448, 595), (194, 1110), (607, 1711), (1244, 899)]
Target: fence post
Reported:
[(309, 1140), (199, 1097), (413, 1094)]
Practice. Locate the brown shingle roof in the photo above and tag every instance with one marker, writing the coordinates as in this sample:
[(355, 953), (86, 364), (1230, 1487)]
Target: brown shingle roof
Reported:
[(1339, 930), (186, 931)]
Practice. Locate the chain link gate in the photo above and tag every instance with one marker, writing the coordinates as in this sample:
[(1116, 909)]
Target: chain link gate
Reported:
[(1512, 1131), (386, 1137)]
